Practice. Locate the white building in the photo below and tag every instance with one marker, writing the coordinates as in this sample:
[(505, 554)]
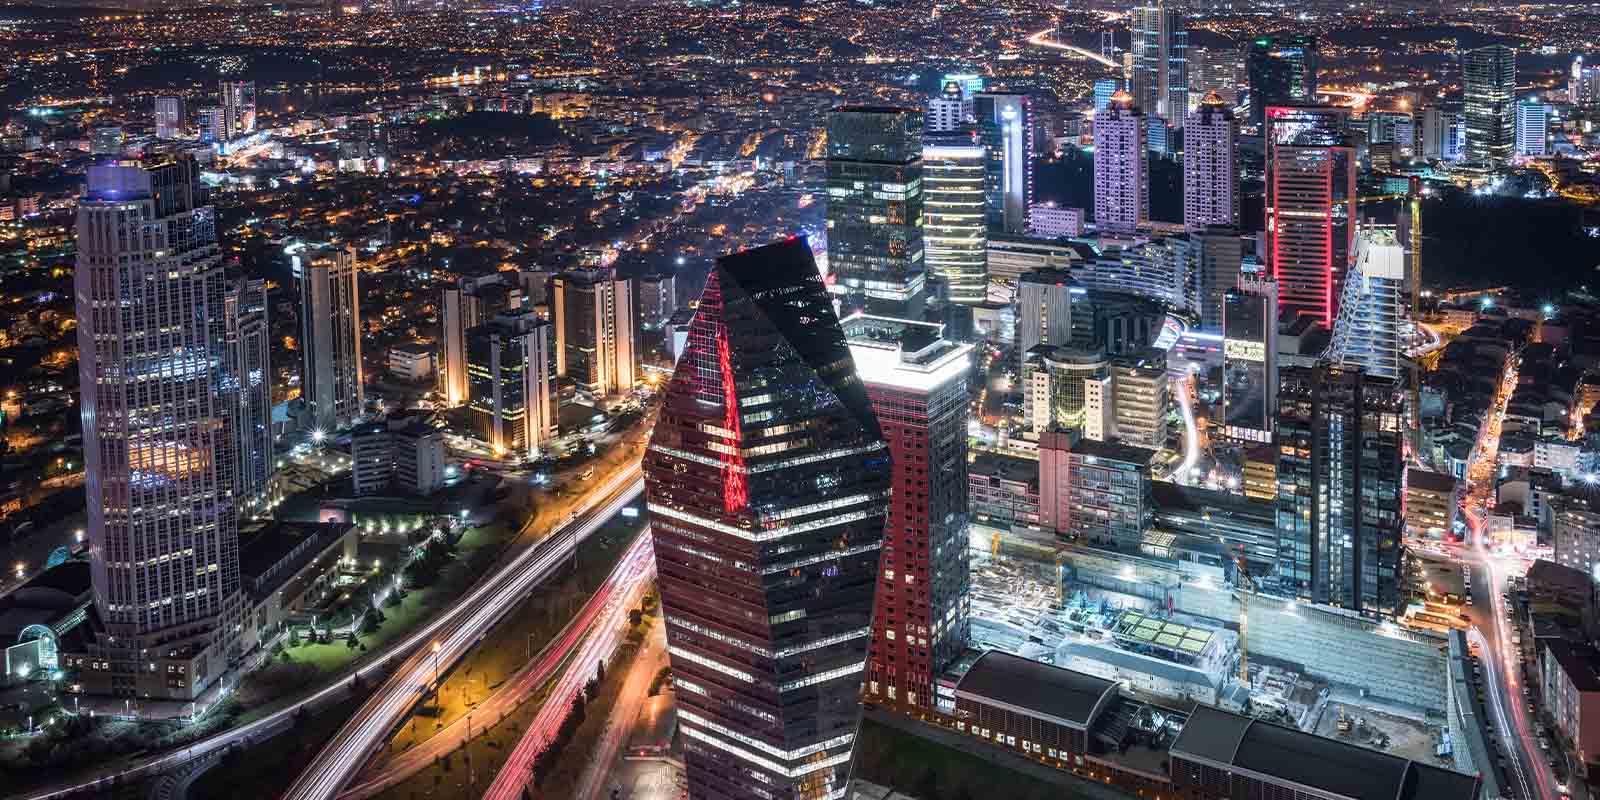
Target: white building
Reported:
[(1366, 333), (1533, 130), (1050, 221), (1210, 166), (169, 117), (330, 336), (593, 314), (401, 454), (411, 361)]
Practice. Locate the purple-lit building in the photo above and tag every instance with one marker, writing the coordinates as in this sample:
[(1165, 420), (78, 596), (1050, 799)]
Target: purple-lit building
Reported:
[(1121, 167), (1210, 166)]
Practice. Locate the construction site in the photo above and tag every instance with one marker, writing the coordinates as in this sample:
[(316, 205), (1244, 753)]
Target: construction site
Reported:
[(1174, 638)]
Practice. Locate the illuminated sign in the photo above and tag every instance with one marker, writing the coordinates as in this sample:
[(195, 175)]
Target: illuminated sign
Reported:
[(1244, 350)]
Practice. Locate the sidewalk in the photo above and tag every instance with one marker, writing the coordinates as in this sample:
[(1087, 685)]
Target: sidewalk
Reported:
[(606, 771)]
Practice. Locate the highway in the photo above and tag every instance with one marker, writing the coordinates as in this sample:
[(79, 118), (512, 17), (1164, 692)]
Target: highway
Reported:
[(631, 574), (450, 637), (1042, 39), (601, 769), (597, 647)]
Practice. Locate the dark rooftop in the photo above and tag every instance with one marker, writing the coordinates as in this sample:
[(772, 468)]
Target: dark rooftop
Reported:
[(1581, 663), (1114, 451), (1290, 757), (1037, 689)]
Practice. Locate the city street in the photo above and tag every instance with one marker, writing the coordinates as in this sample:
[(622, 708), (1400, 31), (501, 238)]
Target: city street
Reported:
[(468, 621), (1526, 772), (602, 772), (629, 577)]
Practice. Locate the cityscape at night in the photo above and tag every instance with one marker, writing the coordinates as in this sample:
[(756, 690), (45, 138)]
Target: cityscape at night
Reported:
[(799, 400)]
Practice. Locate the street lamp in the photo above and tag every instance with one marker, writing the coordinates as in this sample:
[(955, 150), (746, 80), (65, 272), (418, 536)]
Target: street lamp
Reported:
[(436, 668)]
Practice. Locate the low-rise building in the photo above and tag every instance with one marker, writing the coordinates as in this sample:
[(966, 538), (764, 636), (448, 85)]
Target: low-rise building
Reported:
[(1004, 489), (411, 361), (1569, 678), (1110, 486), (1430, 504), (401, 454)]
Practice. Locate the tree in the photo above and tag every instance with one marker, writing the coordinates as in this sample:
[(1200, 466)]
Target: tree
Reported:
[(294, 637), (600, 672), (283, 655)]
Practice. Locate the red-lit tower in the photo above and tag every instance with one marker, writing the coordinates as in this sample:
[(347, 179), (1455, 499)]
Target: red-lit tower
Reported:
[(768, 481), (918, 384)]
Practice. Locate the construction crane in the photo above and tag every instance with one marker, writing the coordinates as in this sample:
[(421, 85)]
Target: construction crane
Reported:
[(1243, 586)]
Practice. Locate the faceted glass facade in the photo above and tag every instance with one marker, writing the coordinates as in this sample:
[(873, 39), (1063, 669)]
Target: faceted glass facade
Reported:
[(1311, 195), (1282, 70), (956, 234), (768, 482)]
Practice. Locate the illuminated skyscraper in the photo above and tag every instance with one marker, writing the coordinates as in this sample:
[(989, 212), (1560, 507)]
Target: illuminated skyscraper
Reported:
[(1489, 81), (248, 366), (1533, 129), (213, 124), (238, 100), (511, 383), (1367, 333), (1005, 128), (1250, 360), (330, 338), (594, 331), (1583, 84), (954, 229), (918, 384), (1282, 71), (768, 483), (466, 305), (1340, 492), (158, 407), (1160, 48), (1121, 167), (1311, 196), (875, 207), (169, 117), (1210, 166)]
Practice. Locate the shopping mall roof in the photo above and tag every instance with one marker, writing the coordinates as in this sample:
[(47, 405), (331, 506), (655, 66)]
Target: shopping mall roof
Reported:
[(1036, 689)]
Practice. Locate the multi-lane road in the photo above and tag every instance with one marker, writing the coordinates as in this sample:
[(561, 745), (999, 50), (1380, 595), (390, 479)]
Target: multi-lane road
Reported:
[(451, 636), (596, 648), (607, 607)]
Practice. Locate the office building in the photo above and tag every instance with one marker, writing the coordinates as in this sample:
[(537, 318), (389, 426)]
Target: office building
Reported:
[(402, 454), (1050, 221), (166, 584), (917, 381), (1121, 167), (511, 383), (1444, 133), (106, 140), (1104, 90), (1533, 129), (1431, 504), (1140, 399), (471, 302), (1366, 335), (1159, 269), (1110, 490), (330, 338), (169, 117), (213, 124), (1045, 300), (1099, 409), (1215, 69), (1249, 360), (1005, 129), (1282, 70), (950, 112), (248, 367), (1011, 257), (1340, 476), (657, 299), (1583, 84), (767, 479), (1311, 196), (1210, 166), (1569, 687), (875, 207), (1055, 488), (1160, 46), (1489, 89), (1003, 490), (1221, 260), (955, 229), (1396, 128), (1054, 395), (238, 101), (595, 340), (411, 361)]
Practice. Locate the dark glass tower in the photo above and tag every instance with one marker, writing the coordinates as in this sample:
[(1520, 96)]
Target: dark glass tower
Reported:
[(875, 250), (1340, 471), (768, 484), (1282, 71)]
